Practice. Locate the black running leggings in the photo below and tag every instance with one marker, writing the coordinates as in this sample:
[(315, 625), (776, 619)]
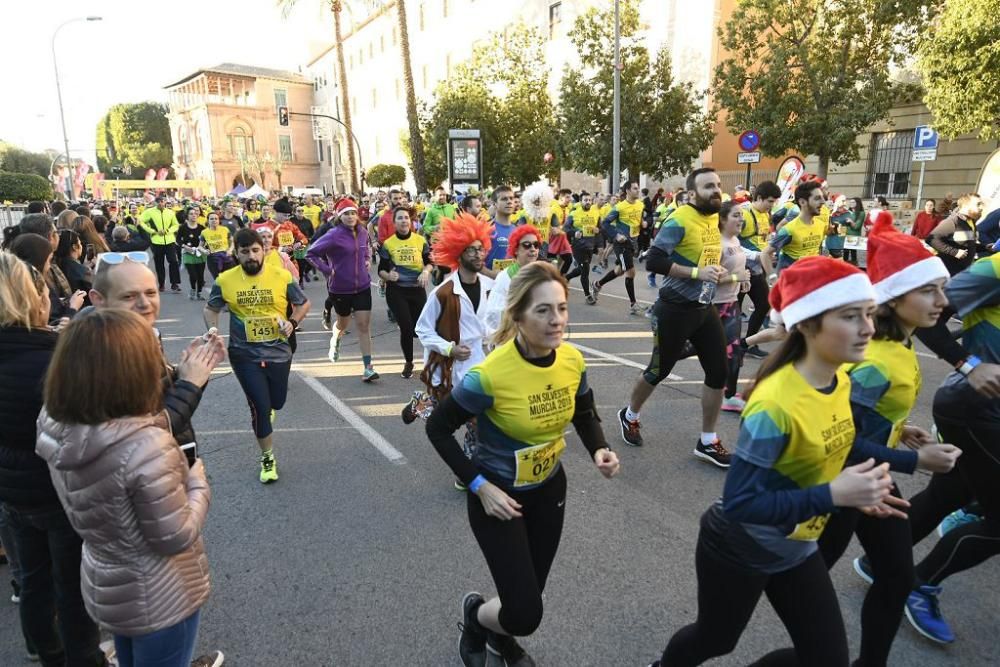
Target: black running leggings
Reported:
[(582, 254), (758, 297), (519, 552), (974, 478), (406, 304), (673, 325), (803, 598), (889, 549), (196, 275)]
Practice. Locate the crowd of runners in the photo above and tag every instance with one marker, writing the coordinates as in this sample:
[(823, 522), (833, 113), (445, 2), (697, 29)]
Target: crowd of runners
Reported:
[(103, 493)]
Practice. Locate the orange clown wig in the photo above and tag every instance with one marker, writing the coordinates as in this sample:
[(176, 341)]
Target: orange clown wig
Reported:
[(454, 236), (519, 233)]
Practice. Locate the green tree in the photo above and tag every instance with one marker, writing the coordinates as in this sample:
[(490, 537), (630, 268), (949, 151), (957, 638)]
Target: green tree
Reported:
[(418, 162), (134, 134), (664, 127), (503, 92), (959, 61), (24, 187), (811, 75), (18, 160), (385, 175)]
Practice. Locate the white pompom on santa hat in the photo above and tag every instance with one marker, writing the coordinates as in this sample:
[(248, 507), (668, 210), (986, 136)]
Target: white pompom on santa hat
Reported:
[(898, 263), (813, 285)]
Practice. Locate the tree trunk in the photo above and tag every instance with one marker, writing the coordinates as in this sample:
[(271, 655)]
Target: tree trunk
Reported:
[(823, 167), (345, 99), (416, 140)]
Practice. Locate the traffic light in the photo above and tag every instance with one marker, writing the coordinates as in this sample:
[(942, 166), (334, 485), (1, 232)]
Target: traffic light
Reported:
[(283, 116)]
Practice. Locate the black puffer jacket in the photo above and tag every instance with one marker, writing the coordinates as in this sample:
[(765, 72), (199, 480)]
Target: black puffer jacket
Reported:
[(24, 359)]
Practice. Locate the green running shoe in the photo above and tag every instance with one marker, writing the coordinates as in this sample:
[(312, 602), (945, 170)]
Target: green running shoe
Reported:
[(268, 468)]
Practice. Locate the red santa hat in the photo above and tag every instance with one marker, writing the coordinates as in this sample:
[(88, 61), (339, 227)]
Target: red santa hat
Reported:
[(346, 204), (814, 285), (897, 262)]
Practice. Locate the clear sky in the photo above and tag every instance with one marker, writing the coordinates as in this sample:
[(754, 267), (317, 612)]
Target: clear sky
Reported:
[(139, 47)]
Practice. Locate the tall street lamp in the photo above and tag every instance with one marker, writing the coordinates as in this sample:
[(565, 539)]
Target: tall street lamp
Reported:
[(616, 131), (62, 117)]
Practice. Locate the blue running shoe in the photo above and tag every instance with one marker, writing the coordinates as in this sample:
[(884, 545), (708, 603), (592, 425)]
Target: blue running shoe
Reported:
[(651, 279), (956, 519), (864, 569), (924, 613)]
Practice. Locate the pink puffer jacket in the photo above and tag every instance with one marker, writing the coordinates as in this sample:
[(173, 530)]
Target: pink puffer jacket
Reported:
[(128, 492)]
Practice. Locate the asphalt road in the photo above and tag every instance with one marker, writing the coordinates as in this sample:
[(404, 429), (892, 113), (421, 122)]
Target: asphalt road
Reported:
[(360, 554)]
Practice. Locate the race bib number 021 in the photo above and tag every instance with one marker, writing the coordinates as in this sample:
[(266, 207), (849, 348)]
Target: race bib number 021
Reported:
[(262, 329), (535, 464)]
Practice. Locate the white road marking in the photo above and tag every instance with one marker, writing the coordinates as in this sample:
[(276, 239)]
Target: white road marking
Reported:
[(354, 419), (243, 431), (614, 357)]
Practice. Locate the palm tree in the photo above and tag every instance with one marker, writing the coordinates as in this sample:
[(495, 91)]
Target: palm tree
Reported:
[(337, 6), (416, 140)]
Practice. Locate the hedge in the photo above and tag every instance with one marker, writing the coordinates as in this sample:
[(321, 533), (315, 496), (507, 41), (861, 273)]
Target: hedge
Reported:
[(24, 187)]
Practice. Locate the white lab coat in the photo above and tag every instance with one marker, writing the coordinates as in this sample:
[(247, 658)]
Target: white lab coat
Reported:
[(498, 300), (472, 327)]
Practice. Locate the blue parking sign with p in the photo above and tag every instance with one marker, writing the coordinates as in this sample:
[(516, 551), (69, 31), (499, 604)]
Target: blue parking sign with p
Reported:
[(924, 137)]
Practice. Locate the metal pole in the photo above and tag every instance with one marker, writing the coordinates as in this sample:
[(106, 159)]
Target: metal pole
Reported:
[(920, 185), (62, 116), (748, 175), (616, 132), (357, 144)]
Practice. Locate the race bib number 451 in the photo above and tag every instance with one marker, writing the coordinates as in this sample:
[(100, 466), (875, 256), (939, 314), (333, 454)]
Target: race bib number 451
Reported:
[(535, 464)]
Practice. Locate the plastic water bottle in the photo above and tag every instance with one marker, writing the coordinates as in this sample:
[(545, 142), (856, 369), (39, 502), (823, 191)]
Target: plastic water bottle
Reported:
[(707, 292)]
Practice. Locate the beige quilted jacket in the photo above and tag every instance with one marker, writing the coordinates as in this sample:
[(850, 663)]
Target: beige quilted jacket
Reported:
[(130, 495)]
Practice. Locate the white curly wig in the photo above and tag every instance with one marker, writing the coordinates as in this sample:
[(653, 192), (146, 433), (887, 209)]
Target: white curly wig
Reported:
[(537, 200)]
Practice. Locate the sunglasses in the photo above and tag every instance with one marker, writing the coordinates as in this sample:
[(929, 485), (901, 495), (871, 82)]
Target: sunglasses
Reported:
[(476, 251), (528, 245), (137, 256)]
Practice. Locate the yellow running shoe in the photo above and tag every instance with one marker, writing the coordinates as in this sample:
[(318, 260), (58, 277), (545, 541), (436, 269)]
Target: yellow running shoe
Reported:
[(268, 468)]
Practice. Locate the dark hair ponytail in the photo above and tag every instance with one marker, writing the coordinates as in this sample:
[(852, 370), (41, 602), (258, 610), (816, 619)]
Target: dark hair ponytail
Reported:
[(791, 350)]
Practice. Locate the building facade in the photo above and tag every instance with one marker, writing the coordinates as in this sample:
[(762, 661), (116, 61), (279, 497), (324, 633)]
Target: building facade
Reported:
[(443, 33), (886, 167), (224, 128)]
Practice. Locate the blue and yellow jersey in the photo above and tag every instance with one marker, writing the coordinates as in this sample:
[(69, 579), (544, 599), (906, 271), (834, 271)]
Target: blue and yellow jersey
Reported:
[(884, 389), (522, 410), (409, 256), (797, 240), (975, 293), (256, 305), (583, 221), (793, 442), (624, 218), (756, 227), (690, 238)]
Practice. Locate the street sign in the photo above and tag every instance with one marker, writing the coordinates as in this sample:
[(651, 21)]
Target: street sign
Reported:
[(749, 141), (925, 155), (924, 138), (748, 158)]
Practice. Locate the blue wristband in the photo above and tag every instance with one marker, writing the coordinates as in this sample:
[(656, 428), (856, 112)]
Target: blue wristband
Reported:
[(969, 365), (476, 483)]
